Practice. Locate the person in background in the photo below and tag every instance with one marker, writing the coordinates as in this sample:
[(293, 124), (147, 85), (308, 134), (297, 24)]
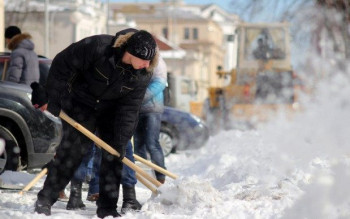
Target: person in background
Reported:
[(99, 82), (88, 171), (24, 64), (146, 138), (94, 166), (128, 181)]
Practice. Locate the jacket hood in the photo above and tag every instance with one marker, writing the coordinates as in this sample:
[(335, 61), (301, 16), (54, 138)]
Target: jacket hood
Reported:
[(121, 41), (21, 39)]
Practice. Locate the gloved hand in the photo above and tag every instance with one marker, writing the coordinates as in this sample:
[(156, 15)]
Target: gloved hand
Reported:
[(39, 96), (48, 165), (54, 108), (121, 150)]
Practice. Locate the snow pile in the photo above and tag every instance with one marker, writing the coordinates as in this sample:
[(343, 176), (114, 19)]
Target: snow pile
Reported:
[(290, 168), (230, 177), (286, 169)]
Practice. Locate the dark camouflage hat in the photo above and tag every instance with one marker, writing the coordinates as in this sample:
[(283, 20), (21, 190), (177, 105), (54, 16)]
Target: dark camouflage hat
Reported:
[(142, 45)]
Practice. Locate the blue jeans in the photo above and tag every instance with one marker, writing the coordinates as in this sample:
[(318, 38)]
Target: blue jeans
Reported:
[(91, 165), (128, 174), (94, 165), (89, 169), (83, 173), (146, 139)]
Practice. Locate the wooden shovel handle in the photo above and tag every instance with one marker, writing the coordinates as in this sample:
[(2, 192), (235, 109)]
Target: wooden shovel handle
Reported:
[(154, 166), (145, 183), (108, 148), (34, 181)]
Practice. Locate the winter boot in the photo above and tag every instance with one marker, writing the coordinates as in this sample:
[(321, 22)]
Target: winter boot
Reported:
[(62, 196), (75, 201), (42, 207), (93, 197), (129, 200), (105, 212)]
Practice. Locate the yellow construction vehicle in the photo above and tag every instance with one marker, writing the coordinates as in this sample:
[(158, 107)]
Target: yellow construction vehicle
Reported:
[(261, 84)]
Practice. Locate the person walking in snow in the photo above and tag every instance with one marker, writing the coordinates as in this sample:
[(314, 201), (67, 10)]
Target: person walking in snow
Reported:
[(128, 181), (100, 82), (146, 138), (24, 64)]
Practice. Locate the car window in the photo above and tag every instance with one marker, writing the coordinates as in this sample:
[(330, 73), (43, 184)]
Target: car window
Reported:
[(44, 71)]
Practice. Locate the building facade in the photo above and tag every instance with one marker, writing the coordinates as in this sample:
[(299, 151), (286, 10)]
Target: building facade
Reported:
[(205, 32), (64, 23)]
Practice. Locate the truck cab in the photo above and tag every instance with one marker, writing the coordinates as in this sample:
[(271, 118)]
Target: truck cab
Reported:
[(262, 82)]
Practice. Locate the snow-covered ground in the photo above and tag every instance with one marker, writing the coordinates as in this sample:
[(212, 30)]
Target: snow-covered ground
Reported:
[(295, 168)]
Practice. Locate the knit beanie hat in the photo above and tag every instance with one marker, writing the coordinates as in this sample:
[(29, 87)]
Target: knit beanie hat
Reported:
[(12, 31), (142, 45)]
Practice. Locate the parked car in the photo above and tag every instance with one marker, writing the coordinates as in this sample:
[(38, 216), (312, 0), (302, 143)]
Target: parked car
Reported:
[(32, 136), (181, 131)]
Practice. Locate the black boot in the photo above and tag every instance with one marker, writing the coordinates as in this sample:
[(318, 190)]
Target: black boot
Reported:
[(75, 200), (129, 200), (42, 207), (105, 212)]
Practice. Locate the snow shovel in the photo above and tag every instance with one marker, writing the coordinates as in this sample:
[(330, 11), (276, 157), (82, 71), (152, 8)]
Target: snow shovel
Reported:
[(111, 150), (34, 181), (44, 172), (155, 167), (139, 172)]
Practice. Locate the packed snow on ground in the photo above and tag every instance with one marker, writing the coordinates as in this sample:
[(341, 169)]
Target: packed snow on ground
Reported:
[(289, 168)]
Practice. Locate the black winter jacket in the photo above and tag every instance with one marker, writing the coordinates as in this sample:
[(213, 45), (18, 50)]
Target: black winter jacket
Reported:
[(91, 71)]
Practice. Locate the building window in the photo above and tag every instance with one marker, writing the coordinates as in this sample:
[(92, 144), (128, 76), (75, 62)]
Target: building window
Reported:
[(195, 33), (165, 32), (212, 13), (230, 38), (187, 33)]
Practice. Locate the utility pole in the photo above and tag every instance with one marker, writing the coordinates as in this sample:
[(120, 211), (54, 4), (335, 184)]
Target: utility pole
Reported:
[(107, 19), (2, 25), (47, 31)]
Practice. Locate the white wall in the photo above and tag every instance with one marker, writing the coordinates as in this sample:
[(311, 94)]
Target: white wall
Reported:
[(69, 21), (2, 26)]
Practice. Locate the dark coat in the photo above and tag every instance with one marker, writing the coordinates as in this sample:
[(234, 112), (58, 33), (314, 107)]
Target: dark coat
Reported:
[(24, 64), (91, 72)]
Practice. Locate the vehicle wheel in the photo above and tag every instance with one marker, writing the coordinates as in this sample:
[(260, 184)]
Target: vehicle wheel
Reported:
[(167, 140), (10, 152)]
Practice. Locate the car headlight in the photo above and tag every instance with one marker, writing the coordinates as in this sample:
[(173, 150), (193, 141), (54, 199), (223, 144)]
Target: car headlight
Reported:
[(196, 118)]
